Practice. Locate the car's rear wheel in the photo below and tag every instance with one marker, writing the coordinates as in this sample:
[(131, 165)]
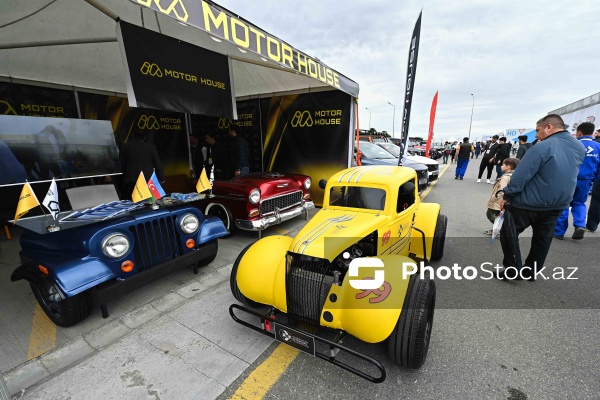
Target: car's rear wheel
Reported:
[(439, 238), (221, 212), (66, 312), (409, 342), (235, 290)]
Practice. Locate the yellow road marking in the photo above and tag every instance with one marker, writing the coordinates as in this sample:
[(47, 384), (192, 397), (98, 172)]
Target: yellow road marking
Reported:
[(43, 334), (260, 381)]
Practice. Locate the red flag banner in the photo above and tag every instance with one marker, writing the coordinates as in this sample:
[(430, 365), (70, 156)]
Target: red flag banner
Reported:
[(431, 121)]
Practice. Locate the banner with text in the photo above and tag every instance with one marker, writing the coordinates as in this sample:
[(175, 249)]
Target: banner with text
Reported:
[(32, 101), (221, 23), (168, 74)]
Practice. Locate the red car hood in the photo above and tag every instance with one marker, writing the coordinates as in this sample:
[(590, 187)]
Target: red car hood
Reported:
[(269, 183)]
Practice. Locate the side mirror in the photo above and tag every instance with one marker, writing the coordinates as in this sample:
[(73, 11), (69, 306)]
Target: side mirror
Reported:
[(322, 184), (407, 188)]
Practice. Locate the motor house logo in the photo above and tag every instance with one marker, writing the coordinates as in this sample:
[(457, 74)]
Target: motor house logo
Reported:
[(32, 110), (179, 12), (304, 119), (153, 70), (150, 122), (243, 120)]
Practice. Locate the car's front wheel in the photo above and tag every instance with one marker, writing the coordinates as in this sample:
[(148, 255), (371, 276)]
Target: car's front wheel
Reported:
[(439, 238), (221, 212), (66, 312), (409, 342), (235, 290)]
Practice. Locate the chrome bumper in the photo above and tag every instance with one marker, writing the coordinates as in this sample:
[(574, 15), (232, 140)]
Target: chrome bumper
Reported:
[(276, 218)]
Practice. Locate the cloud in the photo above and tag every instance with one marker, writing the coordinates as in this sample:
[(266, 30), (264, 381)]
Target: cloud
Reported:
[(520, 59)]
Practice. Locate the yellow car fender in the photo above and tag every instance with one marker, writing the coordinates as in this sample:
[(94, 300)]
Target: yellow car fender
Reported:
[(261, 272), (370, 315), (425, 220)]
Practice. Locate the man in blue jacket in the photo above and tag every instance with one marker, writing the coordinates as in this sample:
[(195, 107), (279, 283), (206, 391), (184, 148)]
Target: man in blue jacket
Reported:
[(540, 189), (587, 172)]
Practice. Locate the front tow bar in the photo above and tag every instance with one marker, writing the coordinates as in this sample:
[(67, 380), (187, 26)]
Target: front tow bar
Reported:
[(334, 347)]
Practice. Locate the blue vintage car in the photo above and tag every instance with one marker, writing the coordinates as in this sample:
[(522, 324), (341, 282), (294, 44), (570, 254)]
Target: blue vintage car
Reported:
[(91, 262)]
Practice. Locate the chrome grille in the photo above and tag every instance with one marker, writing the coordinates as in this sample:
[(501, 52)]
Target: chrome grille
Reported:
[(156, 241), (269, 205), (307, 285)]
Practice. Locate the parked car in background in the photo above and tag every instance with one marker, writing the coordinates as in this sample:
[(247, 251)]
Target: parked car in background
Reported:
[(372, 154), (253, 202), (432, 165)]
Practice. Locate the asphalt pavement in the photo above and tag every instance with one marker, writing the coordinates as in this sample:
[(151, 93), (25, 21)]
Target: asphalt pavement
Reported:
[(174, 339)]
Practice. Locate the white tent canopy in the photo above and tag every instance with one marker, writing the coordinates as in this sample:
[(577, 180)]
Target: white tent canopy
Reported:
[(71, 44)]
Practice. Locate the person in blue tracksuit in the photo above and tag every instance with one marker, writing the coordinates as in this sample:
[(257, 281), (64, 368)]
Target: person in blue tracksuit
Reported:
[(539, 190), (588, 171)]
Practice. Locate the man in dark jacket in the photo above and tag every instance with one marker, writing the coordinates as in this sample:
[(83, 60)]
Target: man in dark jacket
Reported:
[(502, 154), (463, 153), (487, 160), (242, 152), (136, 155), (541, 187), (523, 146)]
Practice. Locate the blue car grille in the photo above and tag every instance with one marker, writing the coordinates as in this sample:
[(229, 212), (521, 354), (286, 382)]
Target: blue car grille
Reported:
[(307, 285), (156, 241), (267, 206)]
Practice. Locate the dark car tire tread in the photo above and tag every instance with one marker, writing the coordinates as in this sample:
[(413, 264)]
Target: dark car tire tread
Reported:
[(409, 342), (213, 243), (439, 238), (235, 290), (72, 309)]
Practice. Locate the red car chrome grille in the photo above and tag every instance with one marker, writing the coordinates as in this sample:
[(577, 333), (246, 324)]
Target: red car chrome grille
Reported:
[(267, 206)]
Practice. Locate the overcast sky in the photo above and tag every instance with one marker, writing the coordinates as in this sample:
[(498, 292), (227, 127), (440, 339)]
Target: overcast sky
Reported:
[(520, 59)]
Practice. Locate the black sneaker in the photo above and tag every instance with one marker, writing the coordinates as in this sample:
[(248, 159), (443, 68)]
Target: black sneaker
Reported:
[(559, 237), (456, 177), (578, 234)]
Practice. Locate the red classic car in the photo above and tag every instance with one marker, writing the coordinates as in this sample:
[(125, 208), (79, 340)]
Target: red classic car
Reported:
[(256, 201)]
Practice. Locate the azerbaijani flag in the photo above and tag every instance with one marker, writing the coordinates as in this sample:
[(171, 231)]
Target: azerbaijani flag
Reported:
[(155, 188)]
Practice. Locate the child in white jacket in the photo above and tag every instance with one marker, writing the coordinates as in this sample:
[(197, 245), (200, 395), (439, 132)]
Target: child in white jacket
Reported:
[(493, 204)]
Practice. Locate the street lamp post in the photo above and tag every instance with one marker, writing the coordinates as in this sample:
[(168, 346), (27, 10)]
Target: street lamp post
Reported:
[(470, 123), (367, 108), (393, 119)]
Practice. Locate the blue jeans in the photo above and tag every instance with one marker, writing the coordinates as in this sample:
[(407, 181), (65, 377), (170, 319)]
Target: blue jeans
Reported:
[(499, 172), (578, 208), (461, 167)]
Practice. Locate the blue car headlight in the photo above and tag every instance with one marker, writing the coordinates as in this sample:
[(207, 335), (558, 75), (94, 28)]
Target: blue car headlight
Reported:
[(189, 224), (115, 245)]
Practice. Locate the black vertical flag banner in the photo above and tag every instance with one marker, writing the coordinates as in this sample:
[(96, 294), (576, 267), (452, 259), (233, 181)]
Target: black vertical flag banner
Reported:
[(411, 73), (168, 74)]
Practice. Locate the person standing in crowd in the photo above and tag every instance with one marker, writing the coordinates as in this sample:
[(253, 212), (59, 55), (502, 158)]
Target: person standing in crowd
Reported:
[(587, 172), (539, 190), (214, 157), (597, 136), (463, 153), (453, 152), (593, 215), (477, 149), (502, 154), (136, 155), (196, 155), (447, 150), (523, 146), (493, 204), (487, 160), (242, 152)]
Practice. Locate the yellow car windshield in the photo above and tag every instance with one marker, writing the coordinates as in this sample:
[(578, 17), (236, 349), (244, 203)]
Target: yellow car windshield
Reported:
[(357, 197)]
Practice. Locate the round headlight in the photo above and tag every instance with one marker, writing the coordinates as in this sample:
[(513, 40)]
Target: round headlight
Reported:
[(115, 245), (254, 196), (189, 223), (307, 184)]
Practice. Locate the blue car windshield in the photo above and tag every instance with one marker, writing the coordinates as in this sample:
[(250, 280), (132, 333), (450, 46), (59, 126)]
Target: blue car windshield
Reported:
[(357, 197)]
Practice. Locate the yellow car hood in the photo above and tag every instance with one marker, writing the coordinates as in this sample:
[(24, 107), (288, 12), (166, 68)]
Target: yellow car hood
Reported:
[(331, 231)]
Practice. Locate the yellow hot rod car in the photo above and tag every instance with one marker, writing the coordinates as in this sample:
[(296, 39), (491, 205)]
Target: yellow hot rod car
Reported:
[(346, 272)]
